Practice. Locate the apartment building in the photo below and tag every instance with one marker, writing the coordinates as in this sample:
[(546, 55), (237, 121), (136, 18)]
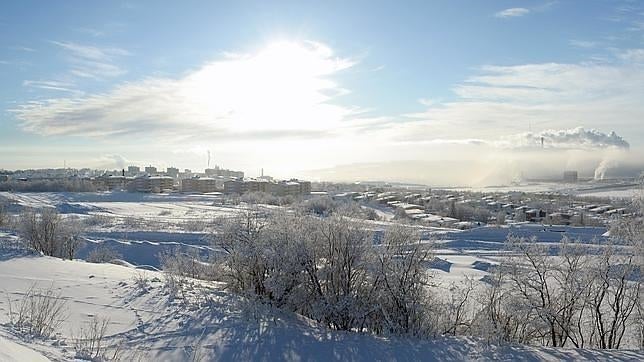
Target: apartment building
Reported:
[(172, 172), (151, 170), (133, 170), (200, 185), (282, 188), (153, 184)]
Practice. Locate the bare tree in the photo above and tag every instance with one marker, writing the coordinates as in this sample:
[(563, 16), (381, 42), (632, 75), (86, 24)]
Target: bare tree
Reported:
[(51, 234), (553, 287), (3, 214), (616, 292), (403, 279)]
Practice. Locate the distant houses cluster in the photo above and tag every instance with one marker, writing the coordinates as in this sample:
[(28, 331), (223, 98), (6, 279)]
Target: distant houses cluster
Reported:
[(465, 209), (210, 181)]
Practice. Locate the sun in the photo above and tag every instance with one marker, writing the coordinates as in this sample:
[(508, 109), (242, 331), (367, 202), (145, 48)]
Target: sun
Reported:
[(284, 86)]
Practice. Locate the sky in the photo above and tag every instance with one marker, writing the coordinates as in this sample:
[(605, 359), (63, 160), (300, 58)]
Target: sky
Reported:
[(436, 92)]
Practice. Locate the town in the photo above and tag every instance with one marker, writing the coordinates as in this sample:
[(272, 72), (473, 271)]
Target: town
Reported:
[(436, 207)]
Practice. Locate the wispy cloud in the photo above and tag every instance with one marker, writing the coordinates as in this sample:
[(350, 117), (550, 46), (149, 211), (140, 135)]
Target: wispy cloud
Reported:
[(512, 13), (632, 55), (281, 92), (24, 49), (506, 100), (91, 61), (51, 85), (583, 43), (90, 31)]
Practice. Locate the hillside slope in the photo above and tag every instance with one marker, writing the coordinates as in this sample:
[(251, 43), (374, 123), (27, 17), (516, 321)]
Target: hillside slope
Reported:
[(146, 322)]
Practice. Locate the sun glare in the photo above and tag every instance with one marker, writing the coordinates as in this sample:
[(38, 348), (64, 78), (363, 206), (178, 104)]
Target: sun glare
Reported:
[(284, 86)]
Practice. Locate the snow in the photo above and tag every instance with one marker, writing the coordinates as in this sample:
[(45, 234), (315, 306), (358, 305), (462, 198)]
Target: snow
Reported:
[(605, 188), (153, 326), (11, 351)]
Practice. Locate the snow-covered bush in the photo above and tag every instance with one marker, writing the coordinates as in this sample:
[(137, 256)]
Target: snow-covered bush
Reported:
[(4, 217), (322, 206), (50, 233), (572, 297), (186, 263), (89, 343), (141, 282), (39, 313), (48, 186), (103, 254), (402, 279), (328, 269)]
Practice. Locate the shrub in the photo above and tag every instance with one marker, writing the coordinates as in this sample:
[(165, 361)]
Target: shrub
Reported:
[(89, 343), (39, 313)]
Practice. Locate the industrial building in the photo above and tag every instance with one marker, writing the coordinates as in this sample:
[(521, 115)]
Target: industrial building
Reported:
[(570, 176)]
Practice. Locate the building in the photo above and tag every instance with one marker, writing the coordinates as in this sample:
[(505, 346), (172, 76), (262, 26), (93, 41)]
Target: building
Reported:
[(283, 188), (305, 187), (133, 170), (151, 170), (199, 185), (153, 183), (172, 172), (111, 182), (570, 176), (235, 187), (211, 172), (260, 186)]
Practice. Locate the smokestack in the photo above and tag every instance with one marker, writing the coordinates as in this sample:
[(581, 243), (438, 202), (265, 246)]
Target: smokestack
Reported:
[(262, 172), (542, 142)]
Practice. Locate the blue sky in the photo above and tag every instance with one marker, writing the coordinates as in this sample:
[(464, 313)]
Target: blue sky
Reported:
[(105, 84)]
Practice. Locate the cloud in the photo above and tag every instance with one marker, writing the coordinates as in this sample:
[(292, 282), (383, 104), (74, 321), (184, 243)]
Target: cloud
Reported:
[(112, 161), (512, 13), (24, 49), (633, 55), (283, 91), (569, 139), (577, 138), (507, 100), (92, 52), (90, 31), (583, 43), (50, 85), (90, 61)]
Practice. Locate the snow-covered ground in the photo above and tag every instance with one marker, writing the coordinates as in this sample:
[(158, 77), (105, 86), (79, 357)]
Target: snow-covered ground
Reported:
[(149, 324), (140, 226), (137, 226), (611, 188)]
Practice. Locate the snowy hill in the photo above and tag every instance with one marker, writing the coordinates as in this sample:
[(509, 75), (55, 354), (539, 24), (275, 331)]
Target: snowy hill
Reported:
[(146, 322)]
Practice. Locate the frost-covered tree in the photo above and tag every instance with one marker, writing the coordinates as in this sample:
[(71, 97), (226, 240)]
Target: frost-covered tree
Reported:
[(402, 279), (551, 287), (50, 233)]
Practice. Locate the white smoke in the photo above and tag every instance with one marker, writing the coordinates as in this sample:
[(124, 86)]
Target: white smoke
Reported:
[(112, 161), (575, 138), (604, 166)]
